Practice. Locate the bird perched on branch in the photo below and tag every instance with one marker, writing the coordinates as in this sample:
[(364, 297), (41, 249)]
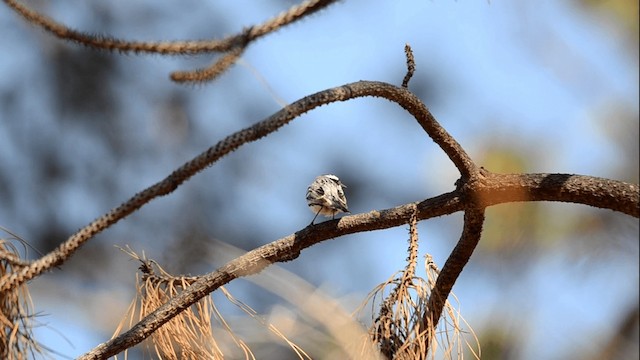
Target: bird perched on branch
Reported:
[(325, 196)]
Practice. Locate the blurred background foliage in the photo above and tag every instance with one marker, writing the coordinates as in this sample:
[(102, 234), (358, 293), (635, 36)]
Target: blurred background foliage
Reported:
[(83, 130)]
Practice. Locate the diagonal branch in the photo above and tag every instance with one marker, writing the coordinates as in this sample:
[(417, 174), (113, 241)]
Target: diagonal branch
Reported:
[(232, 142), (285, 249), (472, 229), (289, 248)]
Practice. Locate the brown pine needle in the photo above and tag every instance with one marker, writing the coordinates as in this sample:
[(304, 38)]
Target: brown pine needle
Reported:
[(191, 333), (397, 328), (16, 316)]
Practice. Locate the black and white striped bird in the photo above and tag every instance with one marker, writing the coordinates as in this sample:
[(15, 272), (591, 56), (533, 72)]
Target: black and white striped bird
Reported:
[(325, 196)]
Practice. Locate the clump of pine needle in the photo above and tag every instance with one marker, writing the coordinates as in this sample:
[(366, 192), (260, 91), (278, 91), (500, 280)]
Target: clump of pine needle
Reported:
[(398, 328), (16, 337), (189, 335)]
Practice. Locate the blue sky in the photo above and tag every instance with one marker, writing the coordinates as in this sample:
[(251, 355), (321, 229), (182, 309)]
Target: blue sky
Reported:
[(533, 73)]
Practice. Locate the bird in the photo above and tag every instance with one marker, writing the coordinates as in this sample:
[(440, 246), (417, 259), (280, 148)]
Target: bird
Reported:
[(325, 196)]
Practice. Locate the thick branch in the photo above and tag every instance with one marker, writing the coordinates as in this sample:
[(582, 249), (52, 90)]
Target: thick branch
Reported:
[(588, 190), (487, 189), (289, 248), (285, 249)]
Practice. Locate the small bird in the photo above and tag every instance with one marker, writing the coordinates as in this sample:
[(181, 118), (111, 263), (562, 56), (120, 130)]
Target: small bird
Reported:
[(325, 196)]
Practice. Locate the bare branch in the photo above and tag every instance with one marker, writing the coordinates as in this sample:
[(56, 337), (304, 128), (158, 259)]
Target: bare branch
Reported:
[(289, 248), (211, 72), (169, 47), (473, 221), (411, 66), (233, 45), (475, 190), (588, 190), (285, 249), (491, 189), (232, 142)]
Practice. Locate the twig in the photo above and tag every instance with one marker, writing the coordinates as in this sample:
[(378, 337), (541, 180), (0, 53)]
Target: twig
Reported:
[(411, 66)]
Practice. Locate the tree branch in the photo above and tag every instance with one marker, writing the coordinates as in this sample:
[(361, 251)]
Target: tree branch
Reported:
[(289, 248), (233, 45), (61, 31), (588, 190), (475, 190), (231, 143), (459, 257)]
